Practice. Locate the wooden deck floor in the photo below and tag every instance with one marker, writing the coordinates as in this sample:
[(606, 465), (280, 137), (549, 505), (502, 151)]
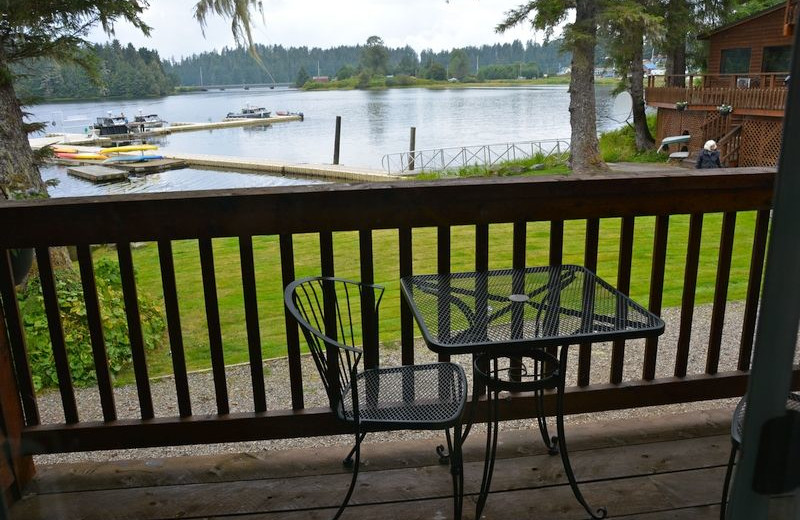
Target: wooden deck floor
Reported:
[(651, 469)]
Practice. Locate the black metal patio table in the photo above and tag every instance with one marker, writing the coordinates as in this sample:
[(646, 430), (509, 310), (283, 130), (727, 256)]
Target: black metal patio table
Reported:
[(513, 321)]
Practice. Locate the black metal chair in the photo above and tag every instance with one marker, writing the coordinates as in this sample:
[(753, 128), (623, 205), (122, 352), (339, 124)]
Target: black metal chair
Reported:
[(334, 314), (737, 424)]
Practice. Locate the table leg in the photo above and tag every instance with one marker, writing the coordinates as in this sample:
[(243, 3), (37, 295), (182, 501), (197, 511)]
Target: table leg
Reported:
[(550, 442), (562, 443), (491, 449)]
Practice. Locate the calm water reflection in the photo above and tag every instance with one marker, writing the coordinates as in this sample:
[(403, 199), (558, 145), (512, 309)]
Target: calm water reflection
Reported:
[(374, 123)]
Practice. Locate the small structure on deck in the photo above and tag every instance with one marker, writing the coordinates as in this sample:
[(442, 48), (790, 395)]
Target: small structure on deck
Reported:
[(97, 173), (739, 102)]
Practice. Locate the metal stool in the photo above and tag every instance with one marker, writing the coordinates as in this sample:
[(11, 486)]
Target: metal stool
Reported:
[(737, 424)]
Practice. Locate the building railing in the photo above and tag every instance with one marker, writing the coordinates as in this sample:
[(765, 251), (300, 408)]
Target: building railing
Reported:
[(742, 100), (487, 155), (415, 224), (730, 81)]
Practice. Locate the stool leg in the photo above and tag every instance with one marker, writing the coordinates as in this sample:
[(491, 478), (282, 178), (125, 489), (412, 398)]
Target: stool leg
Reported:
[(562, 443), (726, 486)]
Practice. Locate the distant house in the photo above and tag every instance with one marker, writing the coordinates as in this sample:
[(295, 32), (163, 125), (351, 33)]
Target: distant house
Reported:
[(748, 61), (754, 46)]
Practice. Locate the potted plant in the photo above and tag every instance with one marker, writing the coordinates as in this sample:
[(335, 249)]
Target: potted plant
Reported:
[(724, 109), (681, 105)]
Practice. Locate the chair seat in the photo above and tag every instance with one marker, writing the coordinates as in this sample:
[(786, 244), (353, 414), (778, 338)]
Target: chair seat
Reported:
[(430, 396), (737, 423)]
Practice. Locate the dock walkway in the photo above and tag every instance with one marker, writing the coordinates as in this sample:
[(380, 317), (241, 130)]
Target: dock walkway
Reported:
[(253, 164)]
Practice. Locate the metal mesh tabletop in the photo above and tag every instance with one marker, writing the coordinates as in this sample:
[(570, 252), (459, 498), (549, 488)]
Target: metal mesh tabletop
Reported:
[(524, 308)]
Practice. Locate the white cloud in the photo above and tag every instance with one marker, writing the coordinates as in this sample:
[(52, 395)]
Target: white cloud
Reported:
[(421, 24)]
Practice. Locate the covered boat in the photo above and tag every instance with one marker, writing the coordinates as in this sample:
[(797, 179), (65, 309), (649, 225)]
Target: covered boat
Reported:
[(249, 112)]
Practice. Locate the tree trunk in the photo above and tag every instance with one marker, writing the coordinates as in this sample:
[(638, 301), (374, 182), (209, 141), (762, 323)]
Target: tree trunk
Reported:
[(678, 14), (585, 150), (642, 137), (18, 171)]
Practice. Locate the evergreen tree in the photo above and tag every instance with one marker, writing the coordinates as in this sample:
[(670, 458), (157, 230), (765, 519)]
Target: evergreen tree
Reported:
[(580, 37), (375, 56), (58, 31), (302, 77)]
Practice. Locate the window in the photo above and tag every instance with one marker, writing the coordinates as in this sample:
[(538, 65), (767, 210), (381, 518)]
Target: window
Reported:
[(735, 61), (777, 59)]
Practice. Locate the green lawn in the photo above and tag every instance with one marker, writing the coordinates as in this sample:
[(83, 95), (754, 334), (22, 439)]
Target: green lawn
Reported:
[(306, 250)]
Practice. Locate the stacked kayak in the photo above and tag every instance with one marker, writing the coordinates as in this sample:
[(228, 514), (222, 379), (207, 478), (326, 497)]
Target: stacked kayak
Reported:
[(110, 154)]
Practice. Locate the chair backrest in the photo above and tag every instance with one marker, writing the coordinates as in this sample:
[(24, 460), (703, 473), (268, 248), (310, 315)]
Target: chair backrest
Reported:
[(336, 317)]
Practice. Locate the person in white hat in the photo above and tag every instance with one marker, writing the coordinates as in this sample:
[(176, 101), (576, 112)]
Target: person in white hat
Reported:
[(709, 156)]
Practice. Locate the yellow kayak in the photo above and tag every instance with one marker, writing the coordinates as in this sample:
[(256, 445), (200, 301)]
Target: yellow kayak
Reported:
[(129, 148), (64, 149)]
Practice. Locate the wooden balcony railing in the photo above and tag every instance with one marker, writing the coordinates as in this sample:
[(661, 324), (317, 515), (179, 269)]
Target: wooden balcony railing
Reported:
[(731, 81), (768, 101), (414, 223)]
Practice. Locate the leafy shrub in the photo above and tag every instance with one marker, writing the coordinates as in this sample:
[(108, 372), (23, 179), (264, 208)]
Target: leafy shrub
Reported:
[(76, 331)]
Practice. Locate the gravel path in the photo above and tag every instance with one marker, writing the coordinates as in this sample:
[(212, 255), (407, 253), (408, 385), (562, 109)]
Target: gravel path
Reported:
[(277, 384)]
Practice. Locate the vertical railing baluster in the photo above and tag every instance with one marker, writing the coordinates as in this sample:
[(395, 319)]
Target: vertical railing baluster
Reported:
[(135, 330), (369, 326), (214, 329), (174, 330), (518, 261), (481, 307), (757, 257), (95, 323), (624, 286), (16, 335), (406, 318), (591, 246), (555, 257), (292, 332), (251, 321), (689, 288), (657, 271), (326, 254), (443, 267), (720, 292), (56, 330)]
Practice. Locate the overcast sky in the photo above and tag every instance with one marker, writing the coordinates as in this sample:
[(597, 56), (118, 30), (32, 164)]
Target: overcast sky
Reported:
[(422, 24)]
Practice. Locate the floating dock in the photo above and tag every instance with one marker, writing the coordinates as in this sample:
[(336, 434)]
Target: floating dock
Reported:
[(97, 173), (150, 166)]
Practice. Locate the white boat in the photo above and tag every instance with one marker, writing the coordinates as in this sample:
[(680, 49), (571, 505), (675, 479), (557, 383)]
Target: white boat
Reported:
[(145, 122), (249, 112)]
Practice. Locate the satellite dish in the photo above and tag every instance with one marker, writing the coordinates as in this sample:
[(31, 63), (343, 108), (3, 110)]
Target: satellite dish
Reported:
[(622, 107)]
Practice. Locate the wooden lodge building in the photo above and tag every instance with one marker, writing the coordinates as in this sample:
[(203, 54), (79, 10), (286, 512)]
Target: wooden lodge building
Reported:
[(748, 62)]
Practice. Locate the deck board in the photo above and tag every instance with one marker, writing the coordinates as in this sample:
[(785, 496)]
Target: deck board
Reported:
[(665, 468)]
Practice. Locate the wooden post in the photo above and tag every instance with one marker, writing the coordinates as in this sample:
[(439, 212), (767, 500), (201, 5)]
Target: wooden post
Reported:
[(337, 139), (412, 146), (16, 470)]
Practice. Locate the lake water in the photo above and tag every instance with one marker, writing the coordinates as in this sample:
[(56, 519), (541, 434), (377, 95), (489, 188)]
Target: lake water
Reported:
[(374, 123)]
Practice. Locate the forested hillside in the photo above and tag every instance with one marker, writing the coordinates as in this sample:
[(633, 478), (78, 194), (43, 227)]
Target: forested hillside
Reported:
[(233, 66), (130, 72), (125, 72)]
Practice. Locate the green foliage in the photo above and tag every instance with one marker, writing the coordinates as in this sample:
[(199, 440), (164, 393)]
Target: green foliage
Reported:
[(363, 80), (459, 64), (619, 145), (346, 72), (302, 77), (73, 317), (124, 72), (401, 80), (375, 56)]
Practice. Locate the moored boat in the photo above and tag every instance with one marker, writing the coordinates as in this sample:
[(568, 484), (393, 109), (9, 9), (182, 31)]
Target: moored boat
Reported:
[(112, 125), (249, 112), (145, 122)]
